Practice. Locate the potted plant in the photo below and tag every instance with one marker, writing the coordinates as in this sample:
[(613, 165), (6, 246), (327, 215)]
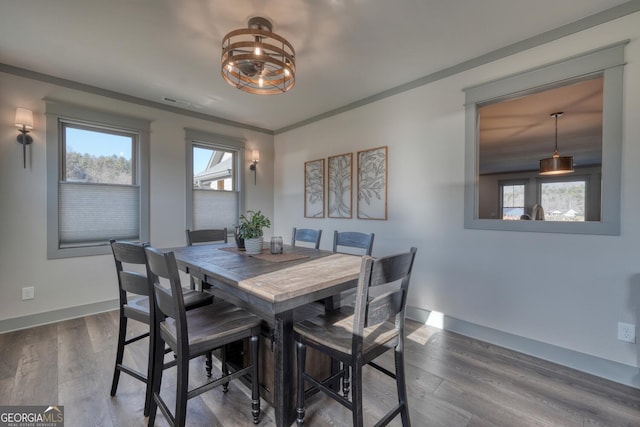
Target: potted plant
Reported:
[(250, 230)]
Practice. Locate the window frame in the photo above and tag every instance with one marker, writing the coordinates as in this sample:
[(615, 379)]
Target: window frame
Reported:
[(57, 113), (512, 183), (608, 61), (196, 138)]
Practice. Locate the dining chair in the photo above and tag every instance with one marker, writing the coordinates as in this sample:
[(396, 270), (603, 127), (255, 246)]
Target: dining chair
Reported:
[(134, 300), (208, 235), (357, 336), (193, 333), (353, 239), (306, 235), (359, 243)]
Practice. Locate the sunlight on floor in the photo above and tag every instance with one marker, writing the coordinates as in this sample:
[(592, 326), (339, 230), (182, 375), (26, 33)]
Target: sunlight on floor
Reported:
[(435, 319), (421, 335)]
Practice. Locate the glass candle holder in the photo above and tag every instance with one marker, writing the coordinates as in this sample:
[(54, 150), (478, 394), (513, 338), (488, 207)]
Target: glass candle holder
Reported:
[(276, 246)]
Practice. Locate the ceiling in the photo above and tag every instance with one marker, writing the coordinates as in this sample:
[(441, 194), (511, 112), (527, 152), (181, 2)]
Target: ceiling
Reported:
[(346, 50), (515, 134)]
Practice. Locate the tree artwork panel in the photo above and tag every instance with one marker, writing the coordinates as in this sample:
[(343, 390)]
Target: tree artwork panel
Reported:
[(314, 189), (340, 186), (372, 183)]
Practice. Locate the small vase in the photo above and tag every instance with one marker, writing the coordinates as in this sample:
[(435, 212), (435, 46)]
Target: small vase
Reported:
[(239, 241), (253, 246)]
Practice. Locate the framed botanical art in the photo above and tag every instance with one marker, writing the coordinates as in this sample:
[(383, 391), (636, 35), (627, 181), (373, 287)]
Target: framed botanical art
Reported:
[(314, 189), (372, 183), (340, 168)]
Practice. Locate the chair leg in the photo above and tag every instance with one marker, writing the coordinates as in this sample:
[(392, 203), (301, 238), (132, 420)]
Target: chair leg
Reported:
[(156, 378), (225, 367), (301, 354), (356, 394), (401, 384), (148, 396), (255, 379), (182, 385), (122, 336), (208, 364), (345, 381)]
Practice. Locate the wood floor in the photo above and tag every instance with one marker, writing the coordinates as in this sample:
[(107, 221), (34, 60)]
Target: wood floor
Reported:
[(452, 380)]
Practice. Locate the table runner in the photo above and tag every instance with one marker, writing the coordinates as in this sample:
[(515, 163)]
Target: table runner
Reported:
[(266, 255)]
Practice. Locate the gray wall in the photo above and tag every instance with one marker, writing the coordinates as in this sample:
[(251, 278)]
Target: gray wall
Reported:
[(75, 286), (560, 296)]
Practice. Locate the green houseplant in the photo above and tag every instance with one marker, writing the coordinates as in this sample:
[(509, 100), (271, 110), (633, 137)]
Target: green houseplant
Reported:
[(251, 230)]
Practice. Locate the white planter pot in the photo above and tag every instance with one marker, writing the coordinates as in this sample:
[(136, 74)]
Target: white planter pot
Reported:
[(253, 246)]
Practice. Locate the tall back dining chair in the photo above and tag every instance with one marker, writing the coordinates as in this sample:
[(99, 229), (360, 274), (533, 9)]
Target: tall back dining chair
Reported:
[(133, 290), (306, 235), (208, 235), (356, 336), (135, 303), (193, 333), (353, 239)]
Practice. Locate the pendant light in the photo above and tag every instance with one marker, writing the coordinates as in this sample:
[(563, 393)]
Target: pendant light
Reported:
[(257, 60), (556, 165)]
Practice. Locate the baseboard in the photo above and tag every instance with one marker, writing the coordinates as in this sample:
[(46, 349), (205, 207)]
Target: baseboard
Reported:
[(38, 319), (613, 371)]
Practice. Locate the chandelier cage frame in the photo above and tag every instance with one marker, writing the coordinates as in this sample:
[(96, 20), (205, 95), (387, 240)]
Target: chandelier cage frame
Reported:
[(257, 60)]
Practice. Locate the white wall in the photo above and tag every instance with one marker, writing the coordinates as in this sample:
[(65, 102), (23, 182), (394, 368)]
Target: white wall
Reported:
[(67, 283), (564, 290)]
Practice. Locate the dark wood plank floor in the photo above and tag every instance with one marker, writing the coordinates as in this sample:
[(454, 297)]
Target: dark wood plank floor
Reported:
[(453, 381)]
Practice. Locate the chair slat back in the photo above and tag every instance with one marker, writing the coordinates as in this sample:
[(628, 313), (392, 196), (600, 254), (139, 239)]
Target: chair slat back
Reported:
[(169, 301), (206, 236), (130, 253), (383, 308), (353, 239), (390, 271), (135, 283), (306, 235)]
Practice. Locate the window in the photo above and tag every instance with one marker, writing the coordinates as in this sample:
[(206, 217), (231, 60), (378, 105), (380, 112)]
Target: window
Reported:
[(97, 156), (564, 200), (97, 180), (512, 201), (602, 196), (214, 188)]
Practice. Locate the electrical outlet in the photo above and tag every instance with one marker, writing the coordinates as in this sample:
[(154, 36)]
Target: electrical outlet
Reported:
[(626, 332), (28, 293)]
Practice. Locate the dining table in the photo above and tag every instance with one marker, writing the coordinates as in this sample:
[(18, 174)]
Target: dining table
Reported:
[(272, 286)]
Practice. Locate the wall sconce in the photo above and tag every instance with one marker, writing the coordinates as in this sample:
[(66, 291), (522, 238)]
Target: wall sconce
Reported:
[(255, 154), (24, 122)]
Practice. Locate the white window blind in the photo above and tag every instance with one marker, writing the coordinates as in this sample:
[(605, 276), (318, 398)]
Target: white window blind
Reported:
[(215, 209), (94, 213)]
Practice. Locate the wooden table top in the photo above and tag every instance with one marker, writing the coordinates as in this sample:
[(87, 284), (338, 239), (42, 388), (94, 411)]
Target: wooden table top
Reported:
[(274, 282)]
